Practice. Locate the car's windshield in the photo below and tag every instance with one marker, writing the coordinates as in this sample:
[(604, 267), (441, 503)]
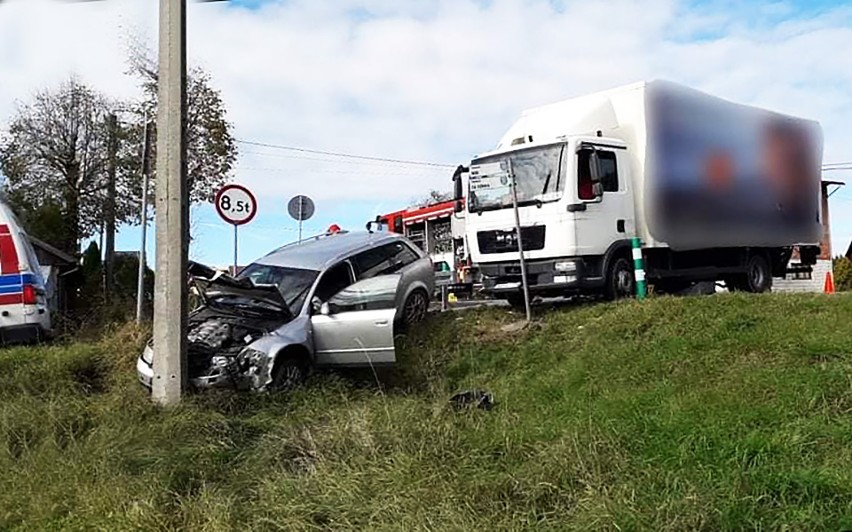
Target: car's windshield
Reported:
[(292, 283), (538, 173)]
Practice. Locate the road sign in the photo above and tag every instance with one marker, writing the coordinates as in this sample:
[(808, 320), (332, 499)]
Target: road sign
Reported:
[(301, 207), (236, 204), (489, 176)]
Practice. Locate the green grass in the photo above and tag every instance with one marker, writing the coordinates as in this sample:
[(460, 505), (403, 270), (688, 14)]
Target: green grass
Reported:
[(723, 412)]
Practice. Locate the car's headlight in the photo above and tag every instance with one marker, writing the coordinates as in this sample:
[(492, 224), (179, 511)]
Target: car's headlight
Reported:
[(252, 357), (565, 266), (148, 354)]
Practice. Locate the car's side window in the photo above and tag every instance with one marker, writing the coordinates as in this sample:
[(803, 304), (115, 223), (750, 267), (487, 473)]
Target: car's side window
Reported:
[(383, 260), (376, 293), (333, 281)]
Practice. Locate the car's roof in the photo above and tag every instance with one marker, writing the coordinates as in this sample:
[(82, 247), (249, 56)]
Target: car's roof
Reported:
[(318, 253)]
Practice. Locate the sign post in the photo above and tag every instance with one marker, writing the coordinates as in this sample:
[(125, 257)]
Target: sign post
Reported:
[(237, 206), (301, 208), (493, 176)]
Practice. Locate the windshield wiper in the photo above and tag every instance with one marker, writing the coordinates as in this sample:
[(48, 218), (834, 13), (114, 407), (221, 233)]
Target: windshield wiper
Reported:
[(537, 202), (546, 183)]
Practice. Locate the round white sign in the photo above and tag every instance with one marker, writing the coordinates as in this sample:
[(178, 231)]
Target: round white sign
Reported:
[(236, 204)]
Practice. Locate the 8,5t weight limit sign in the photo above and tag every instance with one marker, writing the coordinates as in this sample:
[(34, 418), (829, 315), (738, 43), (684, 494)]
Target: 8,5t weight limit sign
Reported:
[(236, 204)]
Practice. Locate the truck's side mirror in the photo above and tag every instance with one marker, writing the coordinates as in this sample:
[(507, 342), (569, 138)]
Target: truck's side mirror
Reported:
[(595, 163), (458, 189)]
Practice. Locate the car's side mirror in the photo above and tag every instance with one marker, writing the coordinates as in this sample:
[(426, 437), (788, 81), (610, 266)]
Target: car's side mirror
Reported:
[(316, 305), (325, 309)]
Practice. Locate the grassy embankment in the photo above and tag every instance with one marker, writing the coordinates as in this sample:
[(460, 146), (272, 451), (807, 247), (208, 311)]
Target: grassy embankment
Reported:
[(697, 413)]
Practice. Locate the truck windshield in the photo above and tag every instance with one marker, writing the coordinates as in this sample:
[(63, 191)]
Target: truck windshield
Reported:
[(538, 172)]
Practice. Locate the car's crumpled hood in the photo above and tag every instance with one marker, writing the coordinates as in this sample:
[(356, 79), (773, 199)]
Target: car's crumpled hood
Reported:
[(213, 283)]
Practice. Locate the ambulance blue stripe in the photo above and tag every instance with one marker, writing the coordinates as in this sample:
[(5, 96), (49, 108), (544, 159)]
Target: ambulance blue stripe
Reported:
[(17, 279)]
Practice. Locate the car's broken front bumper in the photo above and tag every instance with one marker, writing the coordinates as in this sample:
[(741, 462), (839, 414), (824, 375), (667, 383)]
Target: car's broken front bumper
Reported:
[(250, 369)]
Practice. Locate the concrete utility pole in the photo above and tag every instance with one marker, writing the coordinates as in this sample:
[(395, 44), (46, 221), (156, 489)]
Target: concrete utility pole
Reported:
[(140, 281), (172, 204), (109, 208)]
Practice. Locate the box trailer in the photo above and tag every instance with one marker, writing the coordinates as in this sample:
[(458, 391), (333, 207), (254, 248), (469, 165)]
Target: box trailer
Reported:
[(715, 191)]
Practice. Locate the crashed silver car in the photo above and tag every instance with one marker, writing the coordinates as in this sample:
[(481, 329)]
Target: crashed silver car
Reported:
[(333, 300)]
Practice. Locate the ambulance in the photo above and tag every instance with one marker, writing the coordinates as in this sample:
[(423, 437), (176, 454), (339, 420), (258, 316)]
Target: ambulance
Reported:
[(24, 317)]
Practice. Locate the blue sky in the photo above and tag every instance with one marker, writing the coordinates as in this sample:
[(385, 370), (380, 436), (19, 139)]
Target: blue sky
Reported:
[(433, 80)]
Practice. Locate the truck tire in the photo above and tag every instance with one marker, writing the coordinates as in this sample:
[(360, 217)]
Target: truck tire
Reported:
[(758, 276), (620, 280)]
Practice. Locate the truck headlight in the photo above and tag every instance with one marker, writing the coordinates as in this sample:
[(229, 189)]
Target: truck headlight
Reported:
[(565, 266)]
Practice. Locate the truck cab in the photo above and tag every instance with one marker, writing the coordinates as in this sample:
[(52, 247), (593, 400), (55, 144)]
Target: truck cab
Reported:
[(576, 212)]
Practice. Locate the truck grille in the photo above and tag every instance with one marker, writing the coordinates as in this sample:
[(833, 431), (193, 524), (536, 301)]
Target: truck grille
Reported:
[(506, 241)]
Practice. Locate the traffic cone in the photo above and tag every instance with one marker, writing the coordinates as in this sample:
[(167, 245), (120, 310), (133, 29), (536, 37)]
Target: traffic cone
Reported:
[(829, 283)]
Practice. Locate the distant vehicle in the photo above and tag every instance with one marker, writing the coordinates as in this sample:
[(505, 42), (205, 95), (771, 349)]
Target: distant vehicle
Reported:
[(439, 231), (24, 316), (716, 191), (333, 300)]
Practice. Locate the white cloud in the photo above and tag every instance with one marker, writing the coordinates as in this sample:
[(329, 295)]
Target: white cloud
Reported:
[(437, 80)]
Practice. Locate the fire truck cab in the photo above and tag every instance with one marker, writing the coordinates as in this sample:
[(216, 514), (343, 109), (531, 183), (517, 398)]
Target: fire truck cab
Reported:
[(438, 230)]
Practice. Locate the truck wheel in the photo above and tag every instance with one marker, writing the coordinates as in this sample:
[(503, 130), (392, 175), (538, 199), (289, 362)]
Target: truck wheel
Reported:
[(758, 276), (620, 282)]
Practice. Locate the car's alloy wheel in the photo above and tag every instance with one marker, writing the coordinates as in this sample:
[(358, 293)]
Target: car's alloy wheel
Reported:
[(289, 374), (415, 307)]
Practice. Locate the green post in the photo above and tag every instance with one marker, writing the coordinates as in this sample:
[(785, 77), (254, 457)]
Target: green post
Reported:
[(639, 269)]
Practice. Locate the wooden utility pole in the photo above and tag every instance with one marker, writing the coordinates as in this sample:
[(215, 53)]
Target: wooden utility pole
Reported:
[(172, 209)]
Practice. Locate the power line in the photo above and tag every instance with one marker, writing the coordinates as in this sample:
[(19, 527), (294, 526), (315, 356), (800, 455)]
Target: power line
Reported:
[(336, 160), (345, 155)]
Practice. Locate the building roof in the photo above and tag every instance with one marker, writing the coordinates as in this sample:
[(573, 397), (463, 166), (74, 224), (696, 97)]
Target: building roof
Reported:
[(320, 252), (50, 250)]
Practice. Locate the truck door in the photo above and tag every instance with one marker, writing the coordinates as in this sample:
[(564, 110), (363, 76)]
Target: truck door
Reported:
[(605, 214)]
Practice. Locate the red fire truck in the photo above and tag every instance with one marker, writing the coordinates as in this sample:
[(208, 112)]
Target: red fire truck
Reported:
[(438, 230)]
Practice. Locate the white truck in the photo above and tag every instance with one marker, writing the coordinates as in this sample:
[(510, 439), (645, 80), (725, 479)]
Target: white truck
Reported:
[(714, 190)]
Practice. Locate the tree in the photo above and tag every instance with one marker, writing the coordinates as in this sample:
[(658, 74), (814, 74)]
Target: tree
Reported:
[(435, 196), (211, 147), (56, 151), (842, 274), (55, 154)]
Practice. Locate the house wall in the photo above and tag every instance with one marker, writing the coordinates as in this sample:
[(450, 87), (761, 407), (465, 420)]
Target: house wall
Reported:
[(816, 282)]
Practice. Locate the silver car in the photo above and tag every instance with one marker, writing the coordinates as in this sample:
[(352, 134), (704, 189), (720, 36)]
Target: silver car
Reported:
[(333, 300)]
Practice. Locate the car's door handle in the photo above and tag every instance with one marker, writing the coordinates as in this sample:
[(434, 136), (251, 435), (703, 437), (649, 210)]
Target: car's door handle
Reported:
[(381, 323)]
